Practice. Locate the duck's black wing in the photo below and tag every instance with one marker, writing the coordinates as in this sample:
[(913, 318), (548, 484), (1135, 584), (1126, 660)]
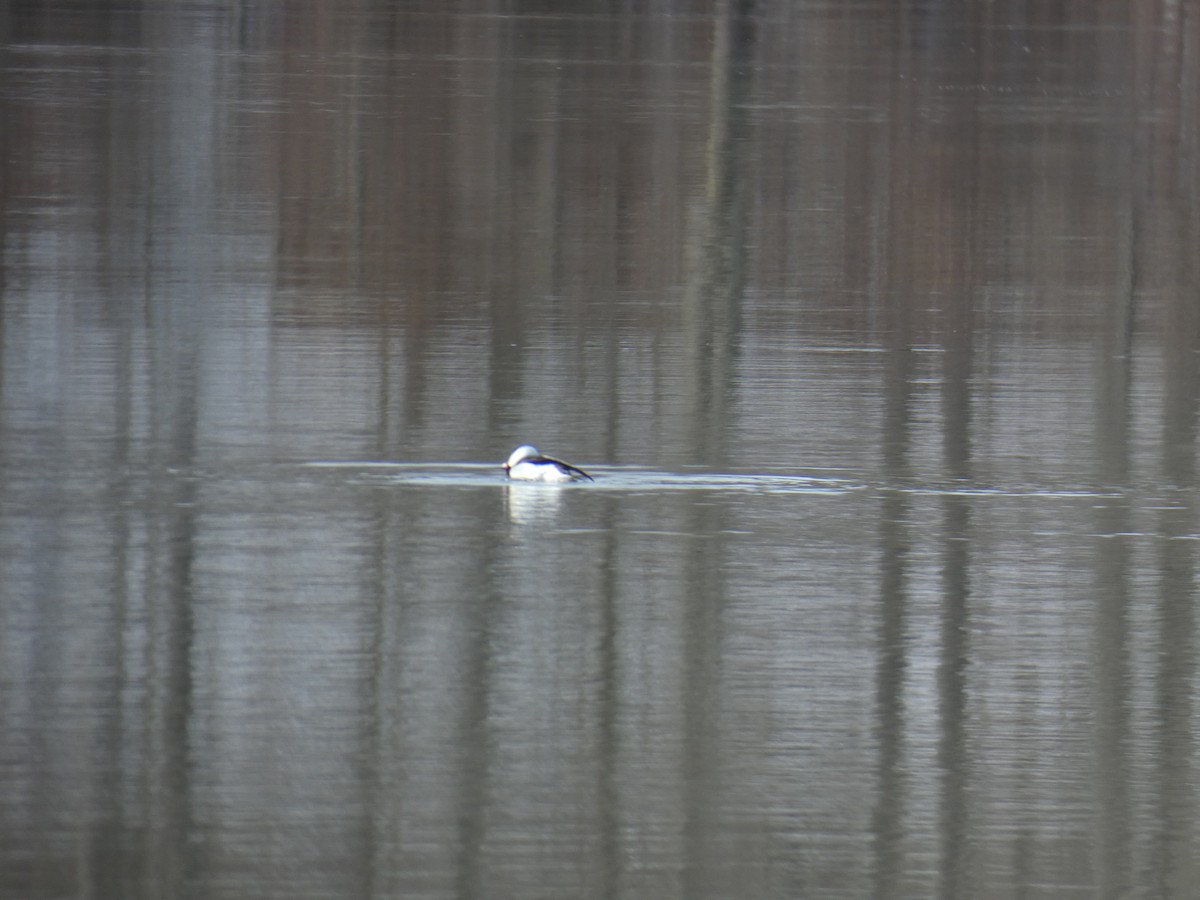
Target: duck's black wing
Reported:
[(565, 468)]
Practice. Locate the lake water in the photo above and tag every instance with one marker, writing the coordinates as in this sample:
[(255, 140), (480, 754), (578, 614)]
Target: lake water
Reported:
[(877, 324)]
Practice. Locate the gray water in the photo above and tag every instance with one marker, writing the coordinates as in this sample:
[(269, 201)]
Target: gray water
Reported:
[(876, 323)]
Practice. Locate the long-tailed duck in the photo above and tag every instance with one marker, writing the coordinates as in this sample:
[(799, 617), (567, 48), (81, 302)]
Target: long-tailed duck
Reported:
[(526, 464)]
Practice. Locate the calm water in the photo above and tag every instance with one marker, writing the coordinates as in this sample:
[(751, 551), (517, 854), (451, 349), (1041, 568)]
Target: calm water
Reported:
[(877, 323)]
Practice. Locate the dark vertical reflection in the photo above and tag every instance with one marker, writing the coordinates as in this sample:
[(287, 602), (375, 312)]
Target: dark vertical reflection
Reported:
[(616, 280), (1176, 191), (1026, 874), (368, 864), (8, 165), (1113, 521), (1175, 833), (173, 820), (952, 698), (117, 848), (179, 258), (712, 310), (895, 300), (956, 587), (703, 863), (958, 279), (711, 321), (517, 189), (887, 821), (609, 825), (1112, 662), (473, 805)]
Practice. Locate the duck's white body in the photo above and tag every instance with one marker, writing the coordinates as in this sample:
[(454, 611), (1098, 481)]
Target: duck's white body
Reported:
[(526, 464)]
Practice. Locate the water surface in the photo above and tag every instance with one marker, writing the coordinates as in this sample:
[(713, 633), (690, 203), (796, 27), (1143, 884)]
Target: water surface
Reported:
[(876, 324)]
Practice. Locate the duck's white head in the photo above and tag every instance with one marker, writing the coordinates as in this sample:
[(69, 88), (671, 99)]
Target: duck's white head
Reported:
[(525, 451)]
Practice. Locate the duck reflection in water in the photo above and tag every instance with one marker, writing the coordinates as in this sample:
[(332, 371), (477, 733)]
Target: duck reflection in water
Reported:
[(533, 504)]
